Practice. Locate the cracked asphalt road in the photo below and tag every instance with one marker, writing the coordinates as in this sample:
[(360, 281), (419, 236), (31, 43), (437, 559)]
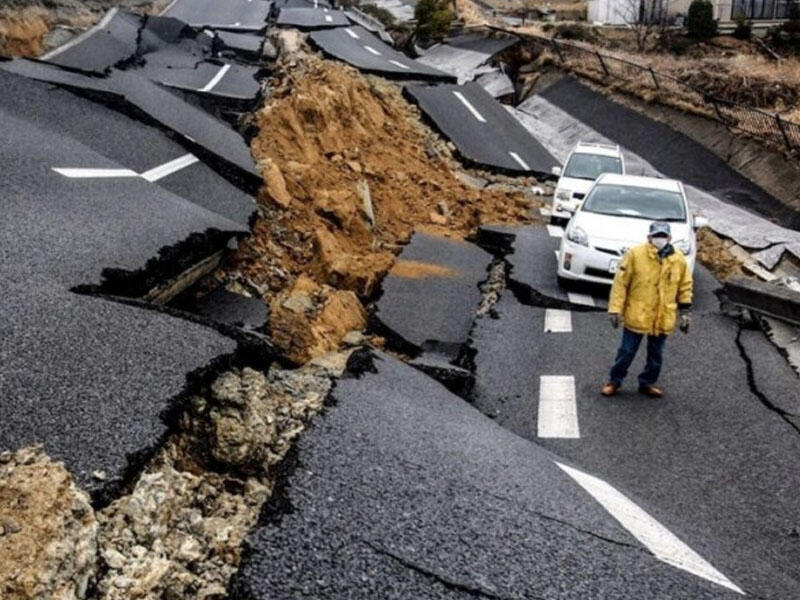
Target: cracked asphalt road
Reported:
[(710, 461), (403, 490)]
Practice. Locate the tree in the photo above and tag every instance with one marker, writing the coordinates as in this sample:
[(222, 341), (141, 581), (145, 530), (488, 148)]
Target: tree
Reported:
[(700, 22), (433, 18), (643, 17)]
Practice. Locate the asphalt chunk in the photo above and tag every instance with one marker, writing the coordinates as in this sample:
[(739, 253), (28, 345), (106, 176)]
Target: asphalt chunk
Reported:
[(430, 297)]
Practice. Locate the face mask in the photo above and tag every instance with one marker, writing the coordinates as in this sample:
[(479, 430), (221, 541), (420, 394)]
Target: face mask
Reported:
[(659, 242)]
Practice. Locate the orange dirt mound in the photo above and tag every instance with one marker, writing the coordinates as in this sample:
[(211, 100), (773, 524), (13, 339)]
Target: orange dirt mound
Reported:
[(412, 269), (349, 173), (22, 30)]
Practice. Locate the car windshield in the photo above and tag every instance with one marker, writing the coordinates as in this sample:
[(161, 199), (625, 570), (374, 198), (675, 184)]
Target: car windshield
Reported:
[(637, 202), (591, 166)]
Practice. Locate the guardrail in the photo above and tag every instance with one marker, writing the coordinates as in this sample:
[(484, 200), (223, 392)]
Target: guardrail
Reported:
[(752, 121)]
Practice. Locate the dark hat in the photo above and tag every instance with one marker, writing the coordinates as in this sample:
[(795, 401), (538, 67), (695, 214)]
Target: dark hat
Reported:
[(659, 228)]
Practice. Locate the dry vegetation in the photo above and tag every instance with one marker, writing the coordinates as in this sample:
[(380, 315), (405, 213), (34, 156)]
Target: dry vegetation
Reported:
[(22, 30)]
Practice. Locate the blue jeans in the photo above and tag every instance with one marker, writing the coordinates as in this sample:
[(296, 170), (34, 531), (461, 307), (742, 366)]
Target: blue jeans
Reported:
[(627, 352)]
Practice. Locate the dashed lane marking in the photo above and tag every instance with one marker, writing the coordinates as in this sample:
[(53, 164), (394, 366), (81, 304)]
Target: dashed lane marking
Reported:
[(95, 173), (557, 320), (328, 18), (558, 412), (583, 299), (519, 160), (555, 231), (152, 175), (372, 50), (397, 63), (216, 79), (469, 106), (664, 545), (170, 167), (351, 33)]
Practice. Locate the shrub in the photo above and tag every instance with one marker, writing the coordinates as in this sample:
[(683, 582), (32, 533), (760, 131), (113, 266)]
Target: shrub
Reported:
[(575, 31), (433, 18), (700, 21), (380, 13), (743, 29)]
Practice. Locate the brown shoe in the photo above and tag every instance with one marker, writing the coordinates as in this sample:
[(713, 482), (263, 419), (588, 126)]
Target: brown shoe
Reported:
[(609, 389), (651, 390)]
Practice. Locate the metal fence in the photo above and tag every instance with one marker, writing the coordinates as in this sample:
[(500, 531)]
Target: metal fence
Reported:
[(751, 121)]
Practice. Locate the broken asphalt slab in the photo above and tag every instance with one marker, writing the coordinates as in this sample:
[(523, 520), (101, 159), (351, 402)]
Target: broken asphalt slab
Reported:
[(482, 130), (234, 15), (709, 460), (113, 40), (361, 49), (531, 254), (402, 490), (311, 18), (430, 296), (146, 151), (466, 56), (198, 127), (89, 378)]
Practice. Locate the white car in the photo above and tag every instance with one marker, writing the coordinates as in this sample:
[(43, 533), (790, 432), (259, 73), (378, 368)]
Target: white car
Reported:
[(585, 163), (615, 216)]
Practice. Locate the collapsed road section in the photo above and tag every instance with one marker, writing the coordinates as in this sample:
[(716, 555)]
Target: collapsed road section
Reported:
[(360, 48), (66, 382), (233, 15), (481, 128), (475, 511)]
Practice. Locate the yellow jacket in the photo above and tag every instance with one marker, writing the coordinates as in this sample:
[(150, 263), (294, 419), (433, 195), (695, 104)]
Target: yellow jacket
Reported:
[(647, 289)]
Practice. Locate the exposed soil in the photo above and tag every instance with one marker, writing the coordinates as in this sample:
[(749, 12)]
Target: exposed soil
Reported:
[(713, 253), (48, 533), (349, 173), (412, 269), (32, 27)]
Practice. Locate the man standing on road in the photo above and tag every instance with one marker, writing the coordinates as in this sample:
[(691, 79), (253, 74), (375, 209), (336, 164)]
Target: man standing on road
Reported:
[(652, 290)]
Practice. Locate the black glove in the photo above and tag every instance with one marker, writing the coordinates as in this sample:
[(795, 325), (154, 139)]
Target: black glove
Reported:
[(685, 321), (615, 320)]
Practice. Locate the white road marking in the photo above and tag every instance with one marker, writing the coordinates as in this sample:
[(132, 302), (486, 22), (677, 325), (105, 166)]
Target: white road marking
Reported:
[(557, 320), (397, 63), (469, 106), (372, 50), (328, 18), (519, 160), (95, 173), (324, 10), (664, 545), (584, 299), (351, 33), (170, 167), (153, 175), (558, 413), (216, 79), (555, 231), (236, 24)]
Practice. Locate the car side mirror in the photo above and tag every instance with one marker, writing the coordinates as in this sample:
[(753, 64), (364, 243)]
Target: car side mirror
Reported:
[(556, 171), (700, 222)]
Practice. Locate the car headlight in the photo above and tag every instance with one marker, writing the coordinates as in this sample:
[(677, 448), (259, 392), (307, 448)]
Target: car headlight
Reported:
[(684, 246), (577, 235), (563, 194)]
